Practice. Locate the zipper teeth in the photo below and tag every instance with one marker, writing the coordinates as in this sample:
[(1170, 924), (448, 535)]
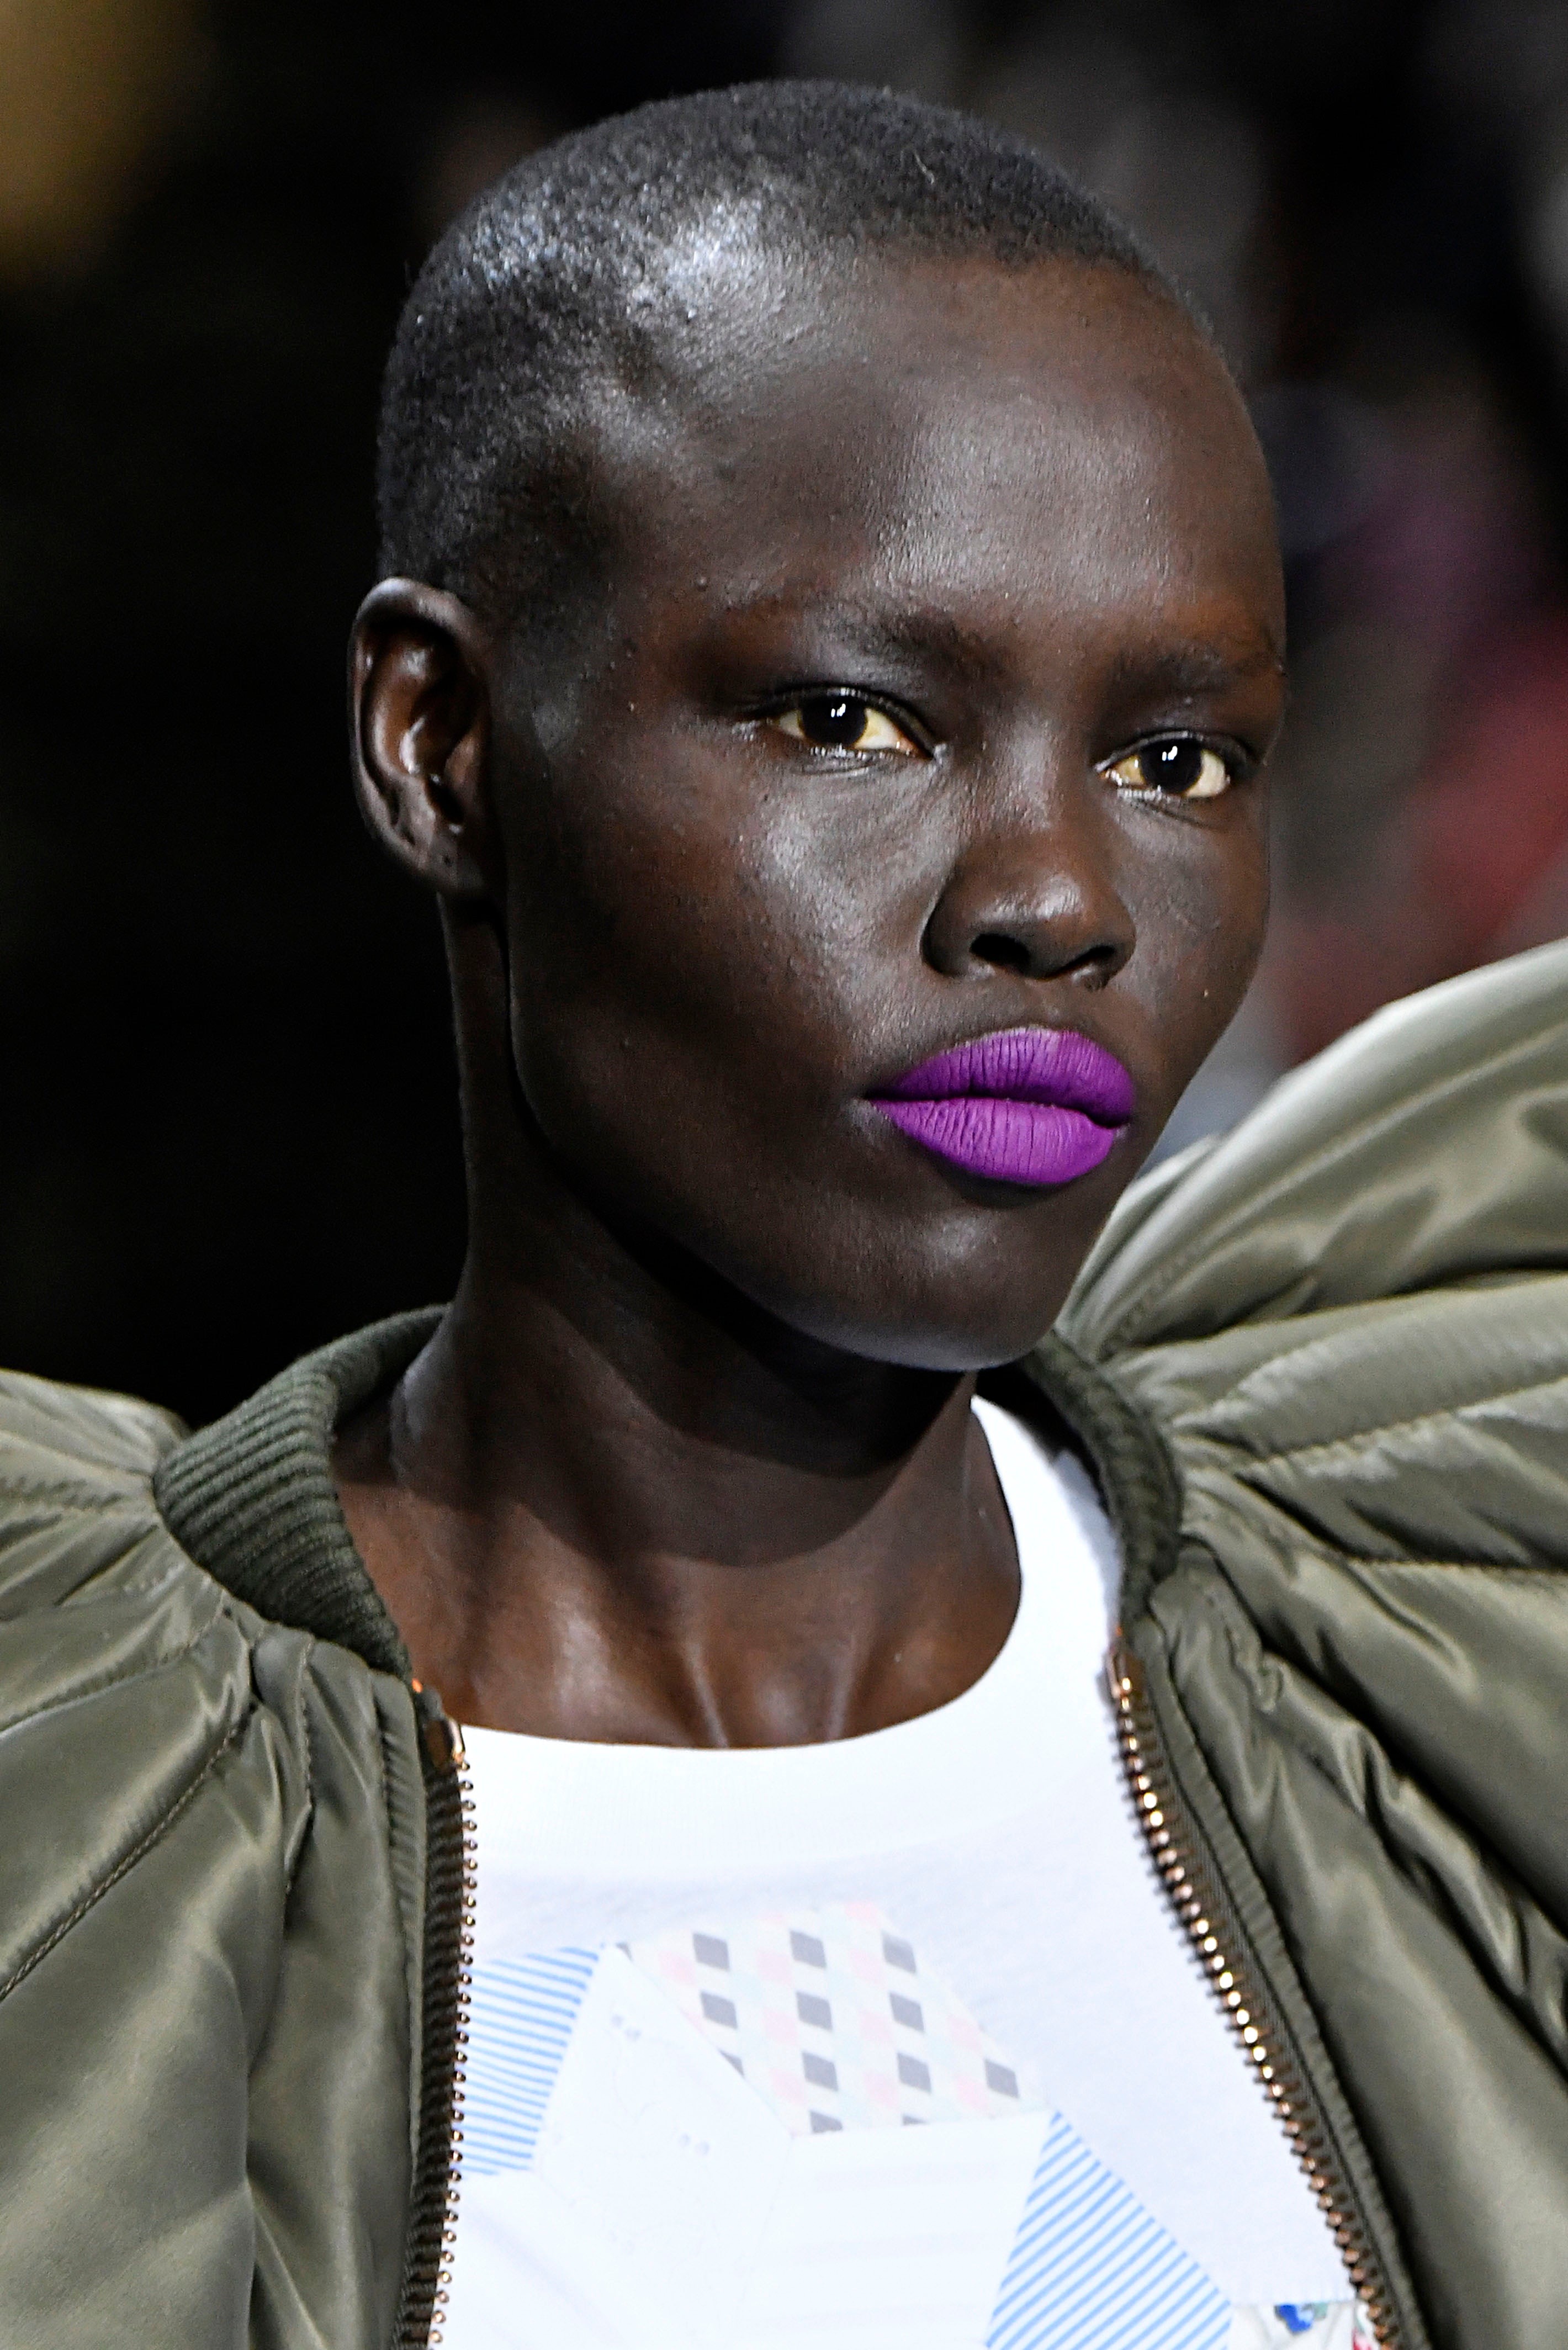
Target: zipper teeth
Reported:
[(1204, 1909), (459, 2071), (448, 1945)]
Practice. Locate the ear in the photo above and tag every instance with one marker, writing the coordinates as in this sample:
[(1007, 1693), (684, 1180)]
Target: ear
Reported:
[(418, 717)]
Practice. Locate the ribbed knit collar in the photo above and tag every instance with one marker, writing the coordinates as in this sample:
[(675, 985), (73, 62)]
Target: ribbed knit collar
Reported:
[(253, 1498)]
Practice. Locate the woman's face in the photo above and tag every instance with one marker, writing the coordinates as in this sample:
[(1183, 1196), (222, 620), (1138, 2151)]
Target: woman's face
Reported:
[(928, 702)]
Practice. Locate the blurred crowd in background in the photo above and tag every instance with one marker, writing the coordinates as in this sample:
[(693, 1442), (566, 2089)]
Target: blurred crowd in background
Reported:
[(229, 1126)]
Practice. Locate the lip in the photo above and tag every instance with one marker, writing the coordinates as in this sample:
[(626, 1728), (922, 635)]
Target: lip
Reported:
[(1031, 1106)]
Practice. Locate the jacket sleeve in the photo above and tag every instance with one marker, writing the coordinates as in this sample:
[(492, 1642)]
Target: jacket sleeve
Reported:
[(203, 1997), (1349, 1323), (1427, 1147)]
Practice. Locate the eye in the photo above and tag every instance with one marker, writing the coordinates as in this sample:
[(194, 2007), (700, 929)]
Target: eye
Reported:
[(1175, 765), (841, 721)]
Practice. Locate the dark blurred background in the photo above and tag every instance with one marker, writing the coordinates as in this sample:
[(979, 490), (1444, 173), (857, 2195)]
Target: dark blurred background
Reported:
[(228, 1125)]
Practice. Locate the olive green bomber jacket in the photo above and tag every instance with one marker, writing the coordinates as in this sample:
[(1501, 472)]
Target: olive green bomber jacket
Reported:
[(1321, 1371)]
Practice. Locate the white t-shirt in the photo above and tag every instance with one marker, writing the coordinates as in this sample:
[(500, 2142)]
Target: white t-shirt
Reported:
[(713, 1989)]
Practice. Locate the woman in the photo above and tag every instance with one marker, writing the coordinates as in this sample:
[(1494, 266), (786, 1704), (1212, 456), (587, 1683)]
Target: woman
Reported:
[(830, 652)]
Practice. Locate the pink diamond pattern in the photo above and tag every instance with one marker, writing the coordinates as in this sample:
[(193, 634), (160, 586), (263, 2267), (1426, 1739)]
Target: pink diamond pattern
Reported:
[(831, 2017)]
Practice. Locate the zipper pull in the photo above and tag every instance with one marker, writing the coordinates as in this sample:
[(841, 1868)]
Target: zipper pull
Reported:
[(441, 1736), (1124, 1674)]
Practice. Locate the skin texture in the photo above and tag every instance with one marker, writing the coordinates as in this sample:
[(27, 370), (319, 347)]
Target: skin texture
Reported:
[(690, 1459)]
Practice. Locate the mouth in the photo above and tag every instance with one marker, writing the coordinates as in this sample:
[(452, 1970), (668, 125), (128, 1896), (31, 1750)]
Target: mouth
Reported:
[(1032, 1105)]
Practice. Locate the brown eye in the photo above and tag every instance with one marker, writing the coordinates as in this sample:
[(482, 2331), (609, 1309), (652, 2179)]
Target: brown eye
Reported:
[(1177, 767), (839, 721)]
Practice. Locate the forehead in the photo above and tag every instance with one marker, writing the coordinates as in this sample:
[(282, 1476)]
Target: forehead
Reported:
[(977, 434)]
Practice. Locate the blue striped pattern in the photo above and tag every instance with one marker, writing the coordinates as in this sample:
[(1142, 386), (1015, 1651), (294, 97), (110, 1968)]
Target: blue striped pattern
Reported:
[(1090, 2270), (521, 2013)]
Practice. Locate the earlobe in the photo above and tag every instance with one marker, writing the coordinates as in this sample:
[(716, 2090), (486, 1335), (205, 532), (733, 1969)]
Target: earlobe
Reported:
[(419, 721)]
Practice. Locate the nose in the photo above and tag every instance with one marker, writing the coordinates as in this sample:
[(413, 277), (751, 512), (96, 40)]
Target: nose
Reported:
[(1036, 897)]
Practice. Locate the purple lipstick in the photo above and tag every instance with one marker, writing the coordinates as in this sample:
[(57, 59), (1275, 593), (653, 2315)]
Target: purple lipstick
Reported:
[(1026, 1105)]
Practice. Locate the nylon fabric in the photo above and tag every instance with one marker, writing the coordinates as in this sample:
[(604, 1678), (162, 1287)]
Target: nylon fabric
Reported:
[(210, 1930), (1321, 1368), (1427, 1146), (1349, 1321), (125, 2208), (1458, 2100), (328, 2153)]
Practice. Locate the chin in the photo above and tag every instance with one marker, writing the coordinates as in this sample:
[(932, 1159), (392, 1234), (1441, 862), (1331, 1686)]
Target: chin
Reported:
[(942, 1318), (961, 1283), (974, 1343)]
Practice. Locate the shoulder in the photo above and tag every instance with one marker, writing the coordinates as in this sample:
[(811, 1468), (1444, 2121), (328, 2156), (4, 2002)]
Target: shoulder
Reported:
[(110, 1633), (1348, 1324), (54, 1437), (125, 1673), (1352, 1314), (76, 1490), (216, 1840), (139, 1693), (1429, 1148)]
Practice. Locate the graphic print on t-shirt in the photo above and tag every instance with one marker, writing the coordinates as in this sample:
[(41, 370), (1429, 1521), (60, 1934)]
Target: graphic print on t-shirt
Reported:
[(771, 2131), (831, 2021), (945, 1937)]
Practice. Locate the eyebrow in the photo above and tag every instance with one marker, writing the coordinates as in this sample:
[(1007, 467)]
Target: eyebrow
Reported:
[(1191, 671), (1186, 670), (865, 632)]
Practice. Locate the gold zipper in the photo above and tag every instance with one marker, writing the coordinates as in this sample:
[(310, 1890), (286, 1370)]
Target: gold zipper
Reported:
[(1205, 1910), (451, 1878), (462, 2005)]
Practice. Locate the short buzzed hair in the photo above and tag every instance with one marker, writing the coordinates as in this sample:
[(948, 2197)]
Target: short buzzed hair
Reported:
[(575, 272)]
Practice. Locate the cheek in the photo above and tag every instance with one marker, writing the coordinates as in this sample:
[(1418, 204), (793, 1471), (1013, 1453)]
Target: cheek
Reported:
[(683, 934), (1201, 911)]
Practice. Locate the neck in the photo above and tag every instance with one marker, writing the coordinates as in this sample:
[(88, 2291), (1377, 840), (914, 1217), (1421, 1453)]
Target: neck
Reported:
[(612, 1501)]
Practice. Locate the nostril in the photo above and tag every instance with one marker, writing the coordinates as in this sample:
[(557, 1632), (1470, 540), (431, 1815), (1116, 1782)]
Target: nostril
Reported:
[(1005, 953)]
